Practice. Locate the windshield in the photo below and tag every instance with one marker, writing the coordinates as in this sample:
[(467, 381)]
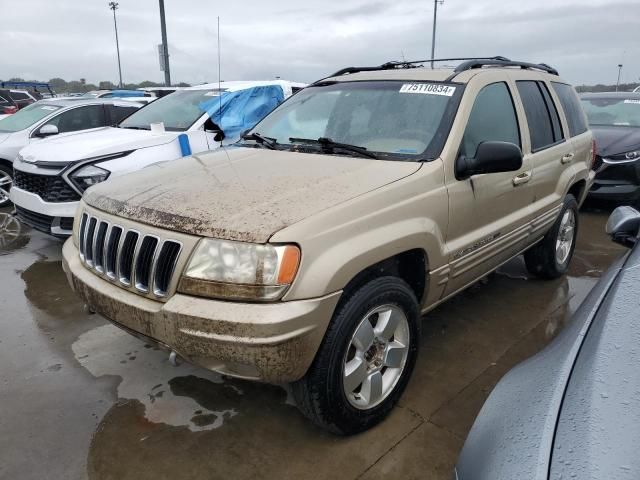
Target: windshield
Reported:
[(611, 111), (389, 118), (26, 117), (178, 111)]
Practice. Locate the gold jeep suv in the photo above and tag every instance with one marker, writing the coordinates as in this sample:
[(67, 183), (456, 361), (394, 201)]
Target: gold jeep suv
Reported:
[(307, 252)]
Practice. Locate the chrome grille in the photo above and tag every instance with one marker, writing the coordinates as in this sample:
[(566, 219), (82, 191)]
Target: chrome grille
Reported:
[(129, 258)]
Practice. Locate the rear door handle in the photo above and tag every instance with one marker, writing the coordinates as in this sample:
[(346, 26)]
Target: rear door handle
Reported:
[(522, 178), (567, 158)]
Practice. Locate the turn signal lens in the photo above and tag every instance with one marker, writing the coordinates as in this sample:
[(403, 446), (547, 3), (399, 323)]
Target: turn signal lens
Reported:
[(289, 264)]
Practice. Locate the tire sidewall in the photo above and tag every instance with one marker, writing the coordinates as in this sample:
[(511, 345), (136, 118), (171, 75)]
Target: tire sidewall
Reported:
[(569, 204), (386, 290)]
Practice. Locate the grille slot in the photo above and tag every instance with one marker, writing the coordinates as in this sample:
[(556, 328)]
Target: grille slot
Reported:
[(88, 244), (144, 262), (112, 251), (165, 265), (140, 262), (99, 246), (83, 230), (51, 188), (125, 263)]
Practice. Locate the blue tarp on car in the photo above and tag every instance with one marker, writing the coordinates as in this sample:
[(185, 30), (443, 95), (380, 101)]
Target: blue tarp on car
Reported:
[(235, 112)]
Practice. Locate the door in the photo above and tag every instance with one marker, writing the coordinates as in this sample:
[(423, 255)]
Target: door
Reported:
[(79, 118), (549, 151), (488, 214)]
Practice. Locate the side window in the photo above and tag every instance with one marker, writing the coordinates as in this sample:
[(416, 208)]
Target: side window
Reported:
[(542, 116), (572, 108), (20, 96), (118, 114), (81, 118), (493, 118), (3, 100)]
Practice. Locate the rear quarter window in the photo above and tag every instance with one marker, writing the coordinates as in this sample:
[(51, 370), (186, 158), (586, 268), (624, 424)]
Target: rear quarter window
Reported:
[(541, 113), (572, 108)]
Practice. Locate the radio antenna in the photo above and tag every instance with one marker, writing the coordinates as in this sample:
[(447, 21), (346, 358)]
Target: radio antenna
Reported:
[(219, 83)]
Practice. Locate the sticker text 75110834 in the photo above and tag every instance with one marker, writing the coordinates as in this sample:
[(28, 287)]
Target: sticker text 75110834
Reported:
[(428, 89)]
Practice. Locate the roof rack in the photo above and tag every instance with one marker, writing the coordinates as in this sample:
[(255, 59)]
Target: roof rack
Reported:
[(468, 64), (502, 62)]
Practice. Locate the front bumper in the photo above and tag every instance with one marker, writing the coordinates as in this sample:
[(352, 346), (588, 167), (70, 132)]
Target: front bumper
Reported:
[(617, 182), (274, 343), (53, 218)]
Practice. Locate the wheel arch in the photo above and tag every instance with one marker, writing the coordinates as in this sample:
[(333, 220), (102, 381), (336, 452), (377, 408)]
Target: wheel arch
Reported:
[(578, 190)]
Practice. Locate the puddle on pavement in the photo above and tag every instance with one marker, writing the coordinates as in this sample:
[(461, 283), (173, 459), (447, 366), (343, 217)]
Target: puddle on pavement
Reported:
[(183, 396)]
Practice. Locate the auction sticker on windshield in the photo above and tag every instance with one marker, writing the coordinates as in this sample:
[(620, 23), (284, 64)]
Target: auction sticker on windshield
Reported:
[(428, 89)]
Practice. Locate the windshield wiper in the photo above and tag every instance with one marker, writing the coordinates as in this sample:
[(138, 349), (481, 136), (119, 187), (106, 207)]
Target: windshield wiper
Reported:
[(261, 140), (135, 128), (331, 144)]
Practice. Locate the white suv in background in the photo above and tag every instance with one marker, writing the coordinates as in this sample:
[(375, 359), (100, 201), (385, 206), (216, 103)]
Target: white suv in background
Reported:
[(50, 117), (51, 177)]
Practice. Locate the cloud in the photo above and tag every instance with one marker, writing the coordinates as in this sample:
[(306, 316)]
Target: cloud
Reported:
[(584, 39)]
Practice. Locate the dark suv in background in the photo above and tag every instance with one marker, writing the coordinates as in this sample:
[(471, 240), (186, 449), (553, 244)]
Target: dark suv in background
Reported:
[(614, 119)]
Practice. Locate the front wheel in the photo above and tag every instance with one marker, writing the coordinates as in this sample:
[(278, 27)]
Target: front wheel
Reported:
[(550, 257), (365, 360), (6, 180)]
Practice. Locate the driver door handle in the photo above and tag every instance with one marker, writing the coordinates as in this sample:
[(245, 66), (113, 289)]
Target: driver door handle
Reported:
[(522, 178), (566, 158)]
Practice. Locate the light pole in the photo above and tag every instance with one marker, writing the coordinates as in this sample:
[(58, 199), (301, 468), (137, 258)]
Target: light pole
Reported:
[(165, 47), (619, 72), (433, 34), (113, 6)]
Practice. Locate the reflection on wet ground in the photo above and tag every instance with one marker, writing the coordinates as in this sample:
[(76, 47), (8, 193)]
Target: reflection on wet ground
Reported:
[(81, 399)]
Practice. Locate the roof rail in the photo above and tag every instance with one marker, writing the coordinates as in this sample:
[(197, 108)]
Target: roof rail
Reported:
[(407, 64), (468, 63), (502, 62)]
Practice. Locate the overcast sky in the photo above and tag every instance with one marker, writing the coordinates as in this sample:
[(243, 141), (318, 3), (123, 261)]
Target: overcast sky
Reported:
[(304, 40)]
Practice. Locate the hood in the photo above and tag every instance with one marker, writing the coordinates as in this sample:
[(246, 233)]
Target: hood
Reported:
[(513, 435), (615, 140), (95, 143), (599, 425), (242, 193), (4, 136)]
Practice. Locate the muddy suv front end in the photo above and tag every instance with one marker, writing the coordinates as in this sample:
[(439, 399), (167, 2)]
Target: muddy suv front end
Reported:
[(133, 275)]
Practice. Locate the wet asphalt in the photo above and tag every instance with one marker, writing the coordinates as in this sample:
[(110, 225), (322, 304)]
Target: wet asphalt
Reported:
[(81, 399)]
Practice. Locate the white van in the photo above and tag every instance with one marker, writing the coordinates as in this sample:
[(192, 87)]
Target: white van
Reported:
[(50, 177)]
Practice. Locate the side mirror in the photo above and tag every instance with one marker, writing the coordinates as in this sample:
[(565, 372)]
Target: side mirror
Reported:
[(47, 130), (491, 157), (211, 127), (624, 226)]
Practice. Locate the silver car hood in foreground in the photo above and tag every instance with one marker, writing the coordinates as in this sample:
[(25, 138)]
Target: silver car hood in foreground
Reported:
[(515, 432), (598, 432)]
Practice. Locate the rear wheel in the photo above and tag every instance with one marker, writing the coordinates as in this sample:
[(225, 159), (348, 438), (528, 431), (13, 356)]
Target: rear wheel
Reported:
[(550, 257), (366, 358), (6, 180)]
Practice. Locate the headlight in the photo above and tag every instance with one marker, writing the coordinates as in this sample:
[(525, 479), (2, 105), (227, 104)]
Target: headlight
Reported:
[(240, 271), (88, 176), (623, 157)]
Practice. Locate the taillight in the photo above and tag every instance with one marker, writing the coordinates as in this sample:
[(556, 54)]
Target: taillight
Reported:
[(594, 155), (10, 110)]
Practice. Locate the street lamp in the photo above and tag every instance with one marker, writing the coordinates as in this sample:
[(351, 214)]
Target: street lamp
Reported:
[(113, 6), (433, 35), (619, 72)]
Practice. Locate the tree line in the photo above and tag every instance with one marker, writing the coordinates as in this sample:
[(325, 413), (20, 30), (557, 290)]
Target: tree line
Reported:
[(60, 85)]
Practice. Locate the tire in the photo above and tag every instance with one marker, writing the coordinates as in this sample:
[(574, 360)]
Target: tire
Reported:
[(322, 394), (6, 172), (545, 260)]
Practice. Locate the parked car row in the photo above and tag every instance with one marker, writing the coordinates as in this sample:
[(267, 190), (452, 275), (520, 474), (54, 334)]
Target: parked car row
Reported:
[(51, 175), (306, 250)]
